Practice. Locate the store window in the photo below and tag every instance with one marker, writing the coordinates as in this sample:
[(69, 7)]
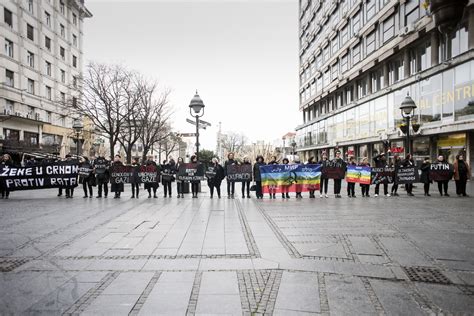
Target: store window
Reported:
[(463, 91), (11, 134), (377, 149), (31, 138), (421, 147), (447, 95), (363, 152), (364, 120), (450, 145), (429, 105)]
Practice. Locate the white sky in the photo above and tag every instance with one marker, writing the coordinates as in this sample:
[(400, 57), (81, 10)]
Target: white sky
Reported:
[(242, 56)]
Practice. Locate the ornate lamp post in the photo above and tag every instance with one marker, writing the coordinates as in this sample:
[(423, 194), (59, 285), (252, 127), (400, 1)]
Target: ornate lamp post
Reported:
[(407, 108), (196, 109), (78, 127)]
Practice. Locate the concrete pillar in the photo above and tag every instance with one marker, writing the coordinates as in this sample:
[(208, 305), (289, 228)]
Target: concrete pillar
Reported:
[(386, 81), (470, 31), (369, 84), (355, 95), (406, 64), (434, 48)]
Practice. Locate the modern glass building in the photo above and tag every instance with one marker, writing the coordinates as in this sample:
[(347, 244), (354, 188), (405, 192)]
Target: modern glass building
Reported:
[(358, 61)]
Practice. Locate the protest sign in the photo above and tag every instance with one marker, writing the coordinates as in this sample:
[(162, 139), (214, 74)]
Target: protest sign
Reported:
[(120, 174), (407, 175), (148, 174), (334, 169), (383, 175), (358, 174), (239, 173), (290, 178), (441, 171), (191, 172)]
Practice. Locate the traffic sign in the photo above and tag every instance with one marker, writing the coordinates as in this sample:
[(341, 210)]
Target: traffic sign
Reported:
[(186, 134), (203, 126)]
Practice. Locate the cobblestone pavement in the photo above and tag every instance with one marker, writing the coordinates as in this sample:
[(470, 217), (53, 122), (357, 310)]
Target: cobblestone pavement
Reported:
[(362, 256)]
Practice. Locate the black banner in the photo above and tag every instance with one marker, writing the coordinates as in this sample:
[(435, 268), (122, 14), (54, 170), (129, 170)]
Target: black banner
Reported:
[(407, 175), (333, 170), (382, 175), (120, 174), (239, 173), (441, 171), (61, 174), (191, 172), (85, 171), (148, 174), (211, 172)]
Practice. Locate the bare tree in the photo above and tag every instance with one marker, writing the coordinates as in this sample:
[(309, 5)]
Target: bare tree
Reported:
[(233, 142), (169, 144)]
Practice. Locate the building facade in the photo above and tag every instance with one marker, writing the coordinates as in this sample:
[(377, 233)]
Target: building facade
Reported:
[(358, 61), (40, 64)]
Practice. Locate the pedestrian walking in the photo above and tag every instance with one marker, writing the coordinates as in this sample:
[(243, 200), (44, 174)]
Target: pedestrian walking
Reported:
[(380, 161), (134, 179), (337, 182), (323, 187), (462, 172), (230, 184), (117, 188), (215, 181), (101, 171), (6, 161), (246, 184), (195, 183), (365, 188), (443, 184), (409, 162), (351, 185), (152, 185), (167, 177), (179, 183), (258, 177), (425, 175)]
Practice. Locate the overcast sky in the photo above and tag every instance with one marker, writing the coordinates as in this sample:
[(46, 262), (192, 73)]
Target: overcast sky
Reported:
[(242, 57)]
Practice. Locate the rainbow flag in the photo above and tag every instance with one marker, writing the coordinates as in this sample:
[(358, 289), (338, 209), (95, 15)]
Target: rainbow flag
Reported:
[(290, 178), (358, 174)]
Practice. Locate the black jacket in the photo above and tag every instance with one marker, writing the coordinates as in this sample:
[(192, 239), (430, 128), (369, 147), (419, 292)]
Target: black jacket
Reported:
[(101, 168), (256, 171), (116, 187), (167, 171), (425, 173), (229, 162), (135, 169), (217, 179), (379, 162)]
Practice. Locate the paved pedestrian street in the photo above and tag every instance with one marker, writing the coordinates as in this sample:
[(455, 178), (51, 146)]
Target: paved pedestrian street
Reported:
[(363, 256)]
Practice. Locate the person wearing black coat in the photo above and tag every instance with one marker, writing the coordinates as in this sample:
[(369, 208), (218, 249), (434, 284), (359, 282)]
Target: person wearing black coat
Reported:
[(230, 184), (69, 189), (462, 173), (117, 188), (365, 187), (258, 177), (179, 183), (351, 185), (397, 162), (442, 185), (6, 161), (381, 162), (166, 178), (323, 187), (337, 182), (408, 162), (101, 170), (246, 184), (214, 182), (154, 185), (272, 188), (311, 191), (195, 183), (285, 187), (425, 175), (87, 180), (134, 179)]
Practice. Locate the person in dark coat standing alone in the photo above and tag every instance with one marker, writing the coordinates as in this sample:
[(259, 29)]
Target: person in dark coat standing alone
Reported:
[(462, 172), (134, 179), (425, 175), (153, 185), (215, 181), (230, 184), (117, 188), (258, 177)]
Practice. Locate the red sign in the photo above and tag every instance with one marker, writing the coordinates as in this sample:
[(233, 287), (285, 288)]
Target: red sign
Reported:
[(397, 150)]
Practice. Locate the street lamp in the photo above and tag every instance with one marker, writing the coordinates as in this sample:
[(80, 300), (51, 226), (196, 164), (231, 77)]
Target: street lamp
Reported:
[(196, 109), (407, 108), (78, 127)]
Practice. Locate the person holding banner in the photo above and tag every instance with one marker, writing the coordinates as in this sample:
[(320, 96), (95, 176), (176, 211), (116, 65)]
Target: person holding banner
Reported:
[(69, 189), (285, 187), (101, 170), (397, 162), (214, 178), (425, 175), (166, 178), (408, 162), (365, 187), (298, 187), (462, 172), (179, 183), (6, 161), (381, 162), (442, 184), (151, 185), (117, 188), (246, 184), (86, 177), (324, 181), (337, 182), (311, 162), (257, 176), (195, 183), (272, 188), (230, 184), (351, 185), (134, 179)]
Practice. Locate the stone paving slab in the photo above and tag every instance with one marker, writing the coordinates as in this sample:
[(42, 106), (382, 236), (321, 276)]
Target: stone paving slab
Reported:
[(233, 256)]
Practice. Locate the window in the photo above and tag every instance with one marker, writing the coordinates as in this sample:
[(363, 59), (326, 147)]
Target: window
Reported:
[(63, 76), (370, 43), (9, 48), (335, 44), (412, 11), (62, 52), (334, 71), (63, 30), (9, 107), (30, 6), (356, 22), (48, 18), (62, 8), (49, 94), (30, 32), (327, 78), (370, 9), (388, 28), (74, 19), (47, 43), (326, 54), (74, 81), (344, 60), (31, 86), (8, 17), (74, 61), (48, 68), (344, 35), (49, 117), (30, 59), (63, 97), (319, 61), (74, 102), (63, 121), (10, 76), (356, 54), (74, 40)]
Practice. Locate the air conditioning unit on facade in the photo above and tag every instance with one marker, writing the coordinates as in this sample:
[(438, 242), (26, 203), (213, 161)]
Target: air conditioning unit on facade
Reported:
[(410, 28)]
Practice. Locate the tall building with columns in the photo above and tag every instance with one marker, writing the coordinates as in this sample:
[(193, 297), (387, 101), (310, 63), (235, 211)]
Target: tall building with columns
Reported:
[(360, 58), (40, 64)]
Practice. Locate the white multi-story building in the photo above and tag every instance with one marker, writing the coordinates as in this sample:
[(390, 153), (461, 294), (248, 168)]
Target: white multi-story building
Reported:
[(40, 64)]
